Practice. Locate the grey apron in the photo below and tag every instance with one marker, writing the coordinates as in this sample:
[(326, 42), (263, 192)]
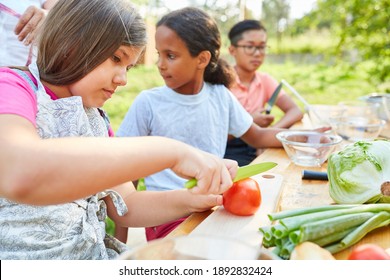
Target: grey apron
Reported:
[(67, 231)]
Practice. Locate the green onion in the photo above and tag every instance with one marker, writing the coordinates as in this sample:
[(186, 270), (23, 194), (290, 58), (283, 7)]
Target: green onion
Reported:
[(335, 226), (332, 238), (379, 220), (141, 185), (296, 212), (320, 229), (286, 249)]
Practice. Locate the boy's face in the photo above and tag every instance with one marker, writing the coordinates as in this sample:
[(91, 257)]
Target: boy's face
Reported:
[(249, 52)]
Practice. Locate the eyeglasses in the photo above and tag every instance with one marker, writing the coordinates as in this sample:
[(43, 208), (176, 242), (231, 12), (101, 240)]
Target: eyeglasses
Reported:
[(251, 50)]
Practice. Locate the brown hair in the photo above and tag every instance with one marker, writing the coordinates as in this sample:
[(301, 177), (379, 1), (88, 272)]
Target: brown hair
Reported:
[(200, 32), (79, 35)]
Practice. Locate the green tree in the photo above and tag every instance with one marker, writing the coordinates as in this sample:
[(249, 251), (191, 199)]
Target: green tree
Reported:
[(361, 26), (275, 16)]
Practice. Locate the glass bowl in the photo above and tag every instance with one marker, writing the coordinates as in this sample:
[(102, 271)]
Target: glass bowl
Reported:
[(197, 247), (308, 148), (355, 129), (382, 100), (359, 108), (322, 115)]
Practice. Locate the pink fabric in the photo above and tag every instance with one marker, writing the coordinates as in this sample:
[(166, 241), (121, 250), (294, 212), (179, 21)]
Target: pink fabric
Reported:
[(111, 132), (17, 97), (8, 10), (162, 230), (258, 93)]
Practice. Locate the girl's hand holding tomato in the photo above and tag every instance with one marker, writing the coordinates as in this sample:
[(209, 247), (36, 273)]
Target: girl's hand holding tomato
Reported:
[(243, 198)]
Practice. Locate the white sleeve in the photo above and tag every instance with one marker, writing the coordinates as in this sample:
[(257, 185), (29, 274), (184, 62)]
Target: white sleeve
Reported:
[(239, 119), (137, 119)]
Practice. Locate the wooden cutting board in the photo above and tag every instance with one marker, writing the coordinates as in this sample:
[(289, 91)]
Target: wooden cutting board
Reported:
[(245, 228)]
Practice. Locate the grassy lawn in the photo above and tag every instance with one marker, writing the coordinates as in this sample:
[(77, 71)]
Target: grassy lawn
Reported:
[(317, 83)]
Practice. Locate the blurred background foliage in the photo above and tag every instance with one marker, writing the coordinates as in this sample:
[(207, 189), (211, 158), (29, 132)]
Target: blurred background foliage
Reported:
[(339, 50), (357, 27)]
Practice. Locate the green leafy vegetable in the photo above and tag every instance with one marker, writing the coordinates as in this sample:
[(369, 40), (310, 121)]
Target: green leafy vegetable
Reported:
[(360, 173)]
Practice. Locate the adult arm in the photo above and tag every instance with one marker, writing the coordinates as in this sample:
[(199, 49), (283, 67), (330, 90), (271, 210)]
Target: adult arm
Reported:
[(50, 171), (28, 24), (49, 4)]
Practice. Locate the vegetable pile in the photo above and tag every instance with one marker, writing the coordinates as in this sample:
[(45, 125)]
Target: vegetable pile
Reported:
[(333, 227), (360, 173)]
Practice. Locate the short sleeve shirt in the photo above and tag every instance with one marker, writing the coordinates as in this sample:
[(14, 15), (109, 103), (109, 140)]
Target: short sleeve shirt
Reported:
[(203, 120), (259, 92), (17, 97)]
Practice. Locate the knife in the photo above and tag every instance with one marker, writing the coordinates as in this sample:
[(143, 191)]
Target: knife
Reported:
[(273, 98), (242, 172)]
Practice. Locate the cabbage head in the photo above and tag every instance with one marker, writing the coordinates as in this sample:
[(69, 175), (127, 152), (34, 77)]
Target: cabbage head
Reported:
[(360, 173)]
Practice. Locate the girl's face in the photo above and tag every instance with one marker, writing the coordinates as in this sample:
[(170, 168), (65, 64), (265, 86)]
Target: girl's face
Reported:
[(249, 53), (100, 84), (180, 71)]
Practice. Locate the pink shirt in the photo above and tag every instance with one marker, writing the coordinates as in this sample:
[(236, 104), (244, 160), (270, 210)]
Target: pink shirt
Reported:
[(258, 93), (17, 97)]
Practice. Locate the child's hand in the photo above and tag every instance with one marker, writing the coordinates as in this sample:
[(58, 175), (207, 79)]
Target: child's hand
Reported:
[(214, 175), (323, 129), (262, 120), (203, 202)]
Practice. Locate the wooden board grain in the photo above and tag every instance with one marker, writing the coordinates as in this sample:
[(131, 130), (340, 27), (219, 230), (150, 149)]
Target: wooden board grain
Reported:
[(222, 224)]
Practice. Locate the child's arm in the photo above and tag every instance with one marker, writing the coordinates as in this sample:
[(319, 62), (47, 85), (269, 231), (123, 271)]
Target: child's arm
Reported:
[(292, 113), (121, 233), (151, 208), (259, 137), (50, 171), (262, 119)]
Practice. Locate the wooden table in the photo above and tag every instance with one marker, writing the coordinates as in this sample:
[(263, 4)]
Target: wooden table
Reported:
[(296, 193)]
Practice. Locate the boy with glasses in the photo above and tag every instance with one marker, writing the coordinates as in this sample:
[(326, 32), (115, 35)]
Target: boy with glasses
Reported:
[(253, 89)]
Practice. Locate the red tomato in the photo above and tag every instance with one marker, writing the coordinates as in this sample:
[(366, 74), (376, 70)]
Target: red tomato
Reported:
[(369, 252), (243, 198)]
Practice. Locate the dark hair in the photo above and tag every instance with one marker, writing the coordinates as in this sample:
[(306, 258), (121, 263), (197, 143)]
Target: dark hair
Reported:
[(79, 35), (200, 33), (235, 33)]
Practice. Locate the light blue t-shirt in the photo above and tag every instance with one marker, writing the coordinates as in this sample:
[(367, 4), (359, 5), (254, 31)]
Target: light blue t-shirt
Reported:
[(202, 120)]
